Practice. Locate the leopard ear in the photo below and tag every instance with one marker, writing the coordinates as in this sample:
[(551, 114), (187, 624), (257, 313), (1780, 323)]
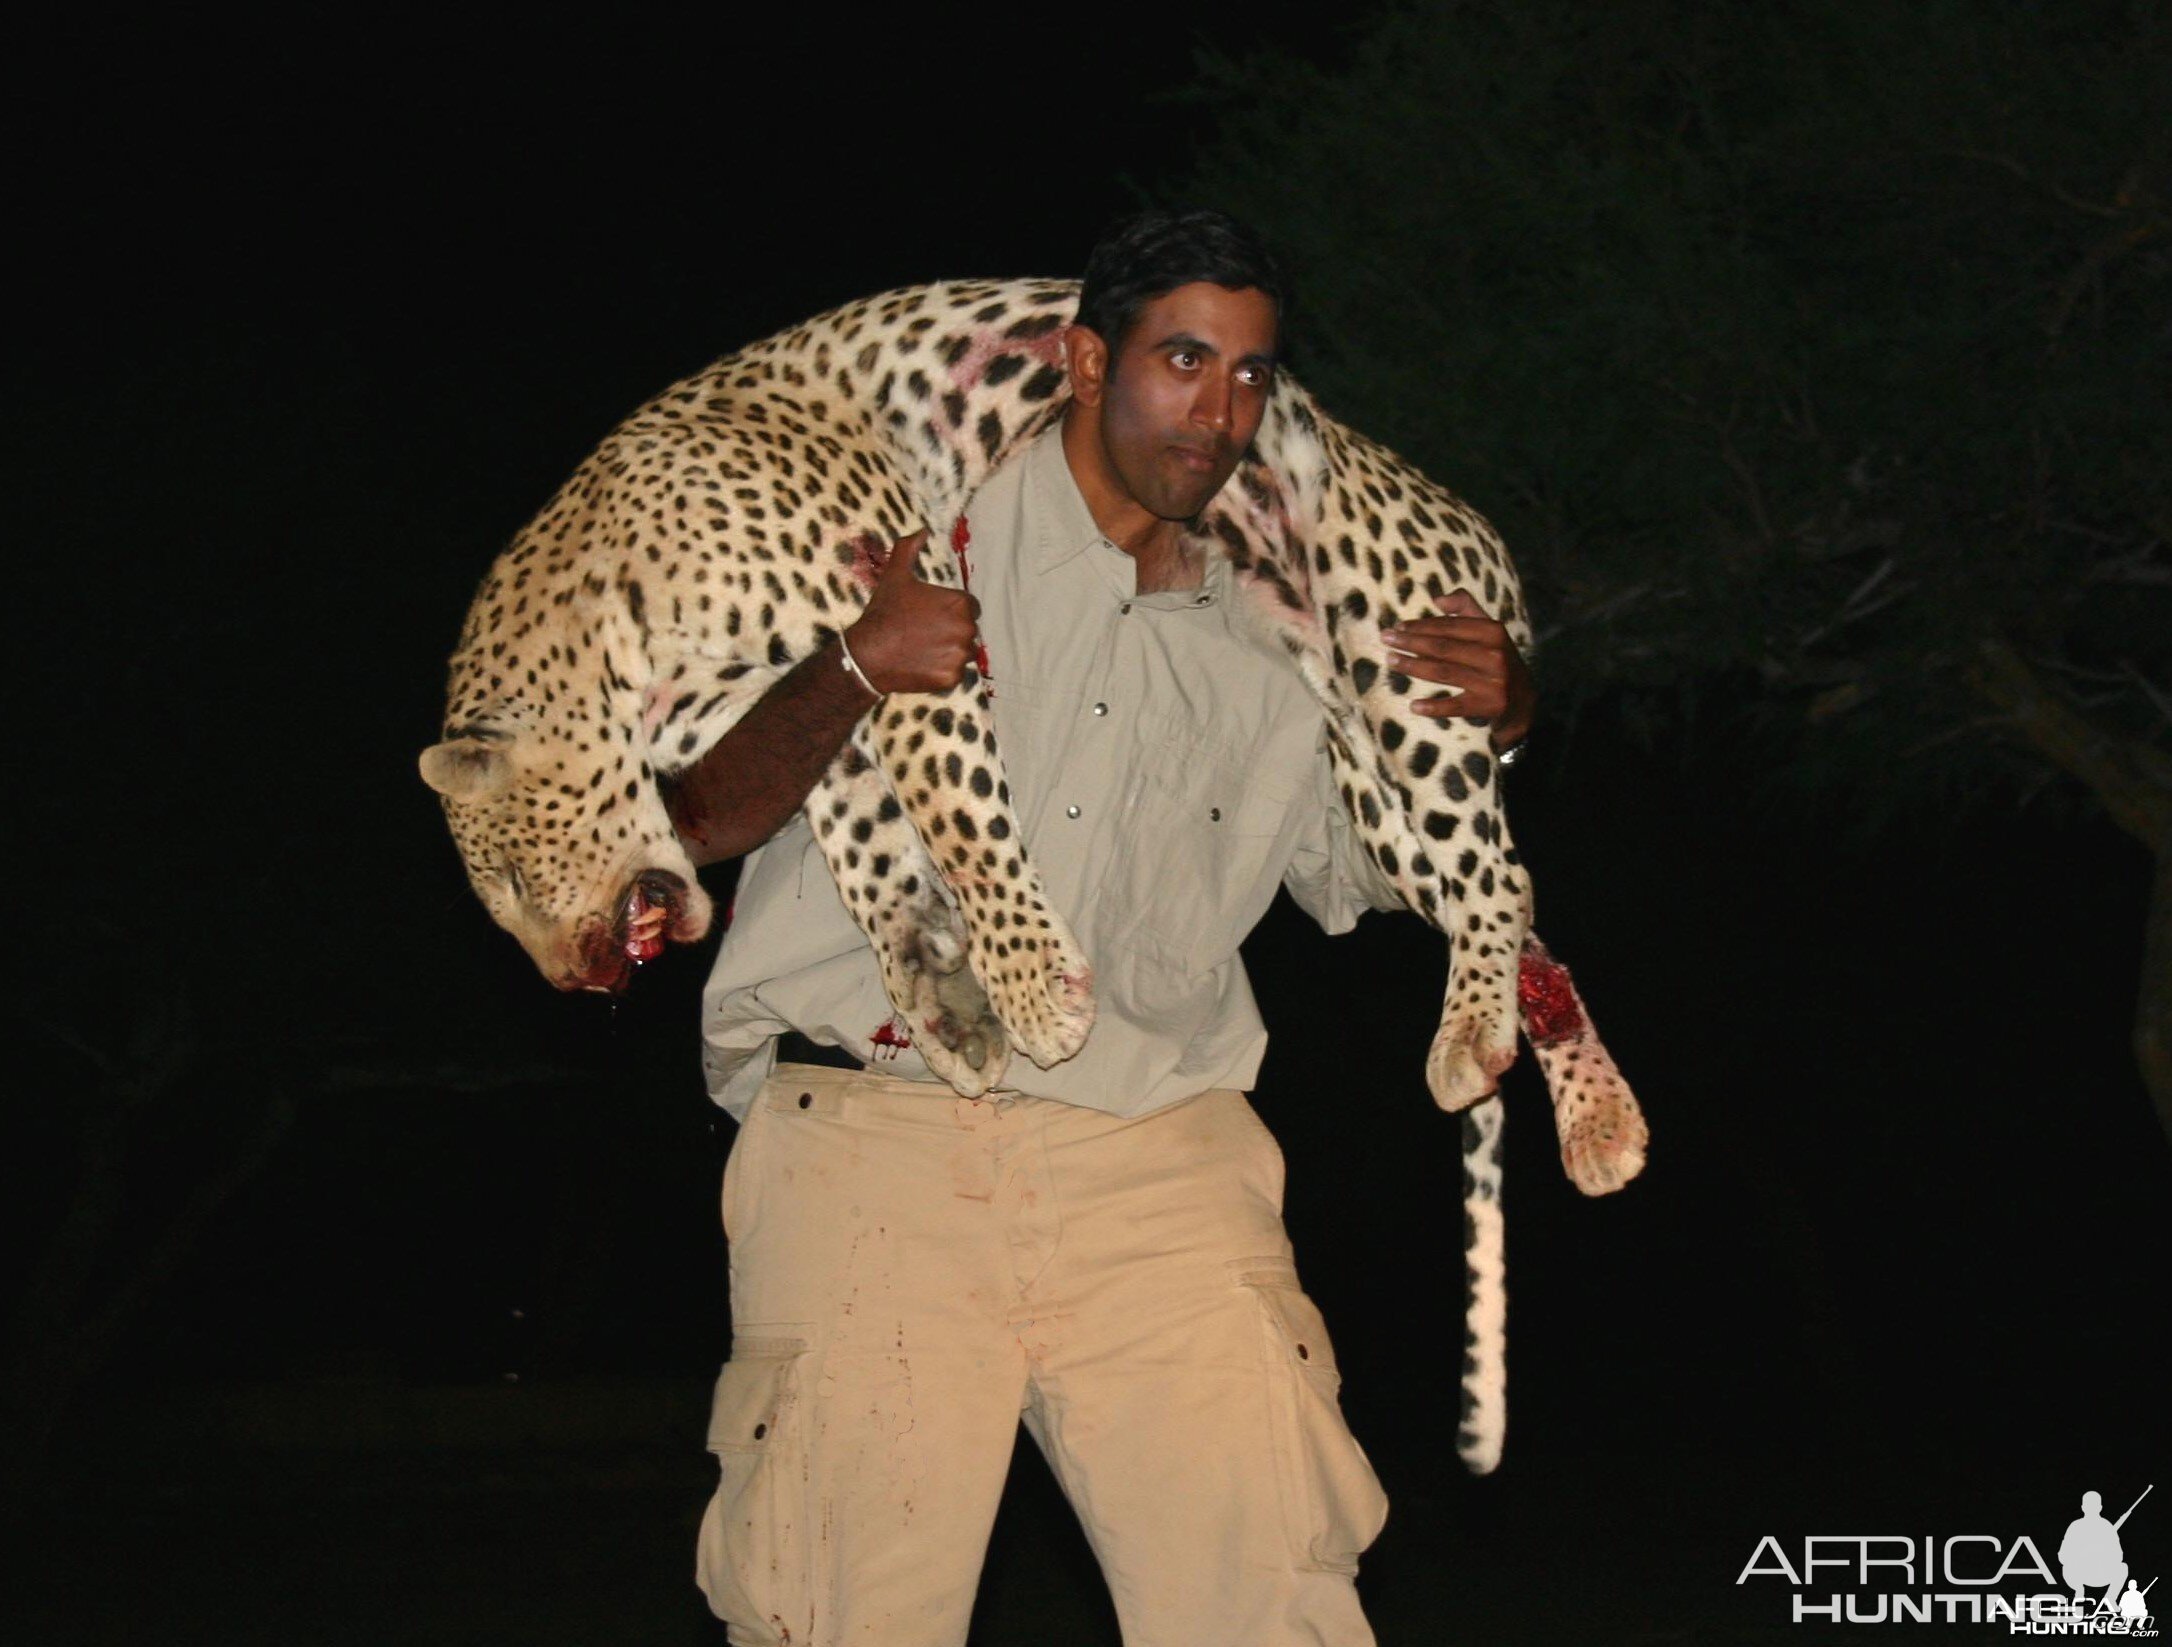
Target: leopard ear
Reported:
[(466, 769)]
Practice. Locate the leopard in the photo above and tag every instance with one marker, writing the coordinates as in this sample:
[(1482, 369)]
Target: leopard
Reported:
[(734, 525)]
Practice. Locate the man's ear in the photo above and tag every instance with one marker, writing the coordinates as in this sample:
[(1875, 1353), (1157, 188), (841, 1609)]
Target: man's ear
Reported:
[(1087, 355)]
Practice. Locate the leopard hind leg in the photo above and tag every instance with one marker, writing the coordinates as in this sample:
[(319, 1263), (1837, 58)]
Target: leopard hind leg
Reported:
[(1488, 912), (1597, 1118), (1453, 864)]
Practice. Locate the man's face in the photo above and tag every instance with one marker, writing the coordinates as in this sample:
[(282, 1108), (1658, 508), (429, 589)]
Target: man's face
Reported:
[(1184, 396)]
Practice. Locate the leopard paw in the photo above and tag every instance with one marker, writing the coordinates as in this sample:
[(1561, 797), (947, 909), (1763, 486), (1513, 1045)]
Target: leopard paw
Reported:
[(955, 1029), (1043, 992), (1602, 1129)]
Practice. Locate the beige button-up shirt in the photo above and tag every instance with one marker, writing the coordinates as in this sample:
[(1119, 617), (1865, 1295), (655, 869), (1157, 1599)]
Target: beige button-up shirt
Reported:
[(1168, 768)]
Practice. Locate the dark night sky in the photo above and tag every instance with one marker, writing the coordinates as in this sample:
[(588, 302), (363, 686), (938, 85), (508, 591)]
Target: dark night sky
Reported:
[(314, 325)]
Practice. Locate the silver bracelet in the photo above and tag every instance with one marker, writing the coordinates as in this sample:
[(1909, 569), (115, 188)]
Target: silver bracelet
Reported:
[(852, 666)]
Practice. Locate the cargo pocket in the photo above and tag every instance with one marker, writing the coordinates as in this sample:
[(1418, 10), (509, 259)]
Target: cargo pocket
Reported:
[(752, 1556), (1332, 1503)]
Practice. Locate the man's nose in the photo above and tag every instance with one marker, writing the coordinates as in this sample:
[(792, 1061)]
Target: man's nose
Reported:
[(1212, 408)]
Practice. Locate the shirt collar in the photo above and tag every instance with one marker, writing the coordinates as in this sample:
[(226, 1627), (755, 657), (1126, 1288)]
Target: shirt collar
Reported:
[(1064, 528)]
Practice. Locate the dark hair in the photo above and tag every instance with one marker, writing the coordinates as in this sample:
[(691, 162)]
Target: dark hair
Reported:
[(1152, 253)]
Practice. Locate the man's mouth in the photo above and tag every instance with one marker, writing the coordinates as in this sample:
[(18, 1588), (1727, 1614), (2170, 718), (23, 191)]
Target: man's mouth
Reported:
[(1201, 460)]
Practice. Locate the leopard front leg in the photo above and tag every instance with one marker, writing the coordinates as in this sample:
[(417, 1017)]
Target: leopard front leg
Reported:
[(894, 893), (938, 751)]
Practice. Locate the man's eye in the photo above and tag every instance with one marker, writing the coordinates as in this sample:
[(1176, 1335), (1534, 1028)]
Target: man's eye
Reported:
[(1185, 357), (1257, 377)]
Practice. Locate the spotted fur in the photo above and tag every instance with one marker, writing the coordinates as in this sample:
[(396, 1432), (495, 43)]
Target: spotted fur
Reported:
[(734, 524)]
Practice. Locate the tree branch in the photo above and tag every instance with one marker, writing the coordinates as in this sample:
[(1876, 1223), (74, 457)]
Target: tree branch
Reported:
[(2131, 778), (2094, 261), (2007, 163)]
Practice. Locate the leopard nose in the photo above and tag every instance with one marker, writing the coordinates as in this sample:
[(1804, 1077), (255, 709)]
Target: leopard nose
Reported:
[(660, 886)]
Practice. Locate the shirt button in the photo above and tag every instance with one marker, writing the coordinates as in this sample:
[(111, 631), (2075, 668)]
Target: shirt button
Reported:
[(1070, 812), (1101, 709), (1214, 813), (1124, 609)]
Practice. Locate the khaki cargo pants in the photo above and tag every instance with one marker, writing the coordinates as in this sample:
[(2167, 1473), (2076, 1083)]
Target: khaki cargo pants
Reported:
[(912, 1272)]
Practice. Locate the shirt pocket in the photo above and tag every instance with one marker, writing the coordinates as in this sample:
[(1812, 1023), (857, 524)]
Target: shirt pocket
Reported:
[(1202, 862)]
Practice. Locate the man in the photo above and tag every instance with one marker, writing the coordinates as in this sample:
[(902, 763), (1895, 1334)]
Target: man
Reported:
[(1096, 1247), (2089, 1554)]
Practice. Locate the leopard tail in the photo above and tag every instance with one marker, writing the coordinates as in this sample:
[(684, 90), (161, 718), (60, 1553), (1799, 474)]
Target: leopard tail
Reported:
[(1485, 1319)]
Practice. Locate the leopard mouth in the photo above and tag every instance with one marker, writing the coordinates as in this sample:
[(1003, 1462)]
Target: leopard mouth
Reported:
[(653, 912), (654, 906)]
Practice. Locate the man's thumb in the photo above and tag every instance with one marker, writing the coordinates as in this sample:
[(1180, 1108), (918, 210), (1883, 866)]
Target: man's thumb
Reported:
[(904, 557)]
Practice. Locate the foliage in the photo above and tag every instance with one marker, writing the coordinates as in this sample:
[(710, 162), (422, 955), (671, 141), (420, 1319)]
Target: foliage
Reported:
[(1811, 358)]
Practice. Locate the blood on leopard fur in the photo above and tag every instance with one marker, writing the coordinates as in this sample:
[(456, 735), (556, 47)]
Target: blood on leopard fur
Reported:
[(869, 555), (961, 539), (1551, 1011)]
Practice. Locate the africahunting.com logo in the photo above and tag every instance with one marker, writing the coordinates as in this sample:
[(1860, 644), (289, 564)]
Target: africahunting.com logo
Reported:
[(1967, 1578)]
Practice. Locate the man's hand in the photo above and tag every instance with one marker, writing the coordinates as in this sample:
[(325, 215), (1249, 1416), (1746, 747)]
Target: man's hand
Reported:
[(1469, 652), (913, 636)]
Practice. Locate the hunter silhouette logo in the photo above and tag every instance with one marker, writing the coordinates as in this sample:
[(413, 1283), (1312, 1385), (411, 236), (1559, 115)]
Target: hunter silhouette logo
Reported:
[(1968, 1578), (2091, 1555), (2134, 1605)]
